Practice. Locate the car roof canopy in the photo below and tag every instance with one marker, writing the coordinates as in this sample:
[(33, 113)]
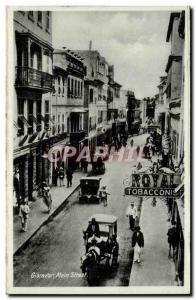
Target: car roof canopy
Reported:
[(104, 218), (90, 178)]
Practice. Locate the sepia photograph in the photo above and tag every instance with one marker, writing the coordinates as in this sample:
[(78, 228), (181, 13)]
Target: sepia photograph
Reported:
[(98, 150)]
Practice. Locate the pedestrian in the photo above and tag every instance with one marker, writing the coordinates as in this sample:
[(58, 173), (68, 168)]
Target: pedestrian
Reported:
[(24, 214), (103, 195), (132, 214), (145, 151), (16, 184), (61, 176), (55, 176), (47, 197), (172, 238), (137, 243), (138, 150), (69, 174), (85, 166)]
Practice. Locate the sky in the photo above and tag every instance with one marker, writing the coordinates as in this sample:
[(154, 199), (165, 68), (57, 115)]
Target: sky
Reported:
[(134, 42)]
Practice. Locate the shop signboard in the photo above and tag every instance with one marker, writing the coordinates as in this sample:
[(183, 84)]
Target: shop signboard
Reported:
[(155, 185)]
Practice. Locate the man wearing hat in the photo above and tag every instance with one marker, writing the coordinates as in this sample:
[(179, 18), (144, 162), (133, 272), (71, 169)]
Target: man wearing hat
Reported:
[(103, 195), (93, 228), (24, 214), (132, 214), (137, 243)]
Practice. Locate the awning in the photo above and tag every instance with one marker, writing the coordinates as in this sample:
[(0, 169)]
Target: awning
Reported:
[(16, 126), (34, 120), (25, 122), (78, 110)]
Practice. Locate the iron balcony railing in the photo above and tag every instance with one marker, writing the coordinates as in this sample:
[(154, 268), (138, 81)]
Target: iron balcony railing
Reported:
[(28, 77)]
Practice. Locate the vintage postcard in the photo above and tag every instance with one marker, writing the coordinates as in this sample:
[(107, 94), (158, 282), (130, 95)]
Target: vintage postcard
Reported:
[(98, 150)]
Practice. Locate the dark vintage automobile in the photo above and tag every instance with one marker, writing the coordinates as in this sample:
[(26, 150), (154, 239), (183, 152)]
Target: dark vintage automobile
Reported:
[(98, 167), (89, 190), (104, 248)]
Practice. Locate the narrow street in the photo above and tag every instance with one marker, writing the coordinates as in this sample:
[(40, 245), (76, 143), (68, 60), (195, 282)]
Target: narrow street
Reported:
[(57, 247)]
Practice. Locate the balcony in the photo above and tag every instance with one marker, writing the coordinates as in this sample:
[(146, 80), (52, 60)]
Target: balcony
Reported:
[(31, 78)]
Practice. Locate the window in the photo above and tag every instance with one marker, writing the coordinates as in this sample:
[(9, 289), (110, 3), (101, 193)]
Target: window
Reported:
[(38, 113), (20, 107), (59, 119), (63, 79), (75, 88), (81, 86), (39, 17), (30, 114), (72, 86), (47, 107), (91, 95), (20, 114), (31, 15), (46, 116), (59, 85), (68, 88), (79, 89), (47, 20), (63, 118)]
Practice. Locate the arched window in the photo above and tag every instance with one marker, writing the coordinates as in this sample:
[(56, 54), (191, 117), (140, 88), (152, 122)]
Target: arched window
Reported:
[(63, 91), (35, 57), (59, 85), (79, 95), (75, 88), (81, 87), (68, 88), (72, 86)]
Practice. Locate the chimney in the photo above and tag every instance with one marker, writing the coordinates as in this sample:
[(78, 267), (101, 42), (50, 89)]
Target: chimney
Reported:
[(90, 45)]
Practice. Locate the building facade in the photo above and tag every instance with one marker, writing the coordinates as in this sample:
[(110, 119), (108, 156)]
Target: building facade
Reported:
[(67, 101), (174, 90), (174, 85), (32, 99), (161, 109), (133, 113)]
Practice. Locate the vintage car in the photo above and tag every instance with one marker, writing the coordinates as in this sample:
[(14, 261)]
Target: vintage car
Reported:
[(89, 190), (103, 152), (98, 167), (102, 246)]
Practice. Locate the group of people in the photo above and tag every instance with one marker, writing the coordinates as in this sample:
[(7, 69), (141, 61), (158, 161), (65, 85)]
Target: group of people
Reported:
[(119, 140), (59, 174), (96, 243)]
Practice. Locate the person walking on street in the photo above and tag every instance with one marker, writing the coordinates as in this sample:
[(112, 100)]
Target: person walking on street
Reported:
[(132, 214), (137, 243), (138, 150), (131, 142), (69, 174), (172, 239), (24, 214), (16, 185), (61, 176), (103, 195)]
